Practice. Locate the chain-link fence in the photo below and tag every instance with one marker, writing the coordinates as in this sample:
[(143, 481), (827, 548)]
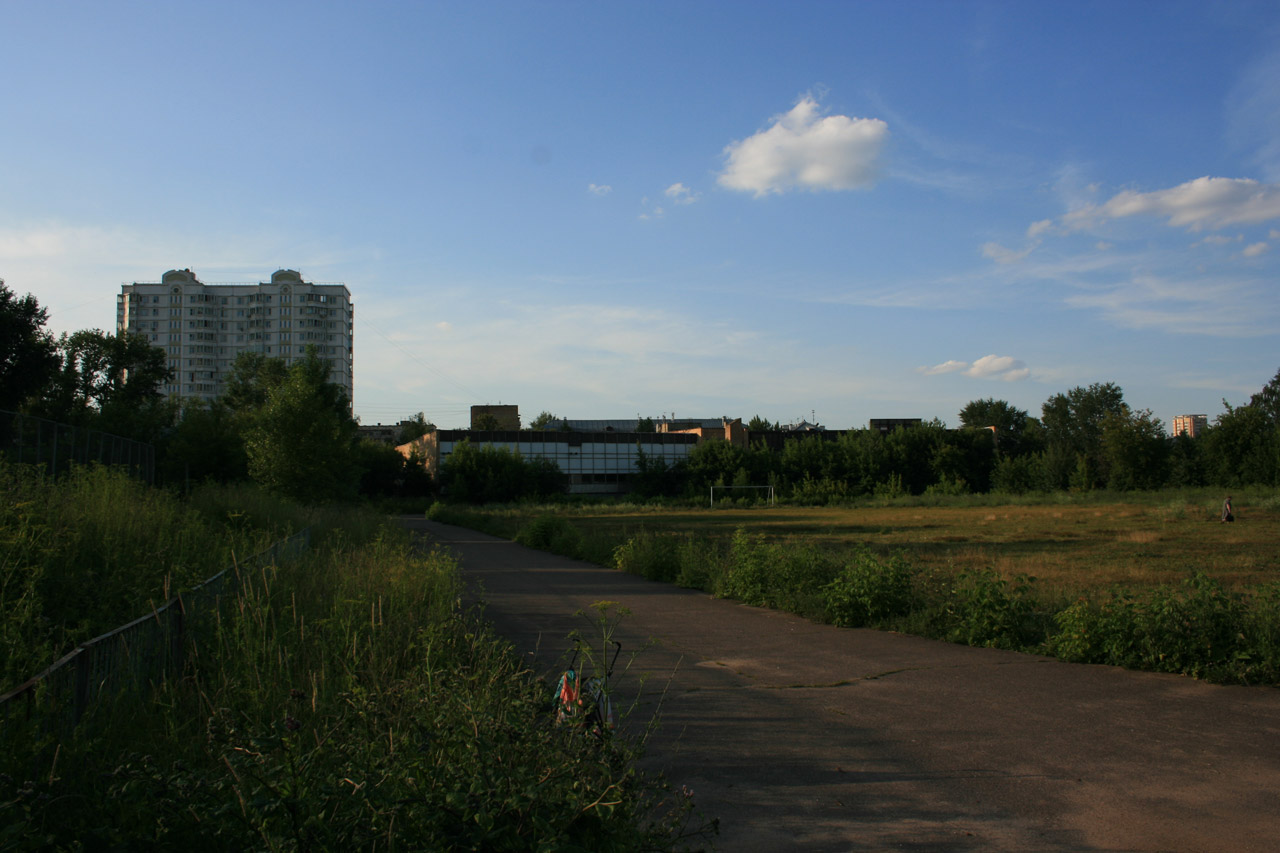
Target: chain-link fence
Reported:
[(56, 446), (137, 655)]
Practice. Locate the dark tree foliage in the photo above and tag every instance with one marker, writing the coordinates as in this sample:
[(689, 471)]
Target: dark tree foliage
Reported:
[(387, 473), (414, 428), (1135, 451), (253, 377), (1014, 428), (206, 445), (300, 443), (1268, 400), (109, 382), (759, 424), (646, 425), (1243, 448), (543, 421), (485, 474), (28, 354), (1073, 433)]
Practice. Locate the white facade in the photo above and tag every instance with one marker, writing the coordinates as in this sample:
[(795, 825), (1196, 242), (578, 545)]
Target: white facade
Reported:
[(203, 327)]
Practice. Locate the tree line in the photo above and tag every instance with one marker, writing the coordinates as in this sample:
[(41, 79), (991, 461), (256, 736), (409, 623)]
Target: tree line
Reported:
[(1086, 438), (286, 427), (281, 425)]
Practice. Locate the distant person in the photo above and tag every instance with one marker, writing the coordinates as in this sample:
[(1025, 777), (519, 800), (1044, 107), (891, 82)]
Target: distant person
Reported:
[(1227, 514)]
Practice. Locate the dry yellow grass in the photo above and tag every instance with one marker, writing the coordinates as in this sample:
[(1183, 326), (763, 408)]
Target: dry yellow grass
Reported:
[(1069, 548)]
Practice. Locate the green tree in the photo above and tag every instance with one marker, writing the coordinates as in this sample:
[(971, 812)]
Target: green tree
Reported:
[(110, 382), (414, 428), (759, 424), (1135, 450), (1268, 400), (646, 425), (205, 445), (1073, 433), (253, 377), (543, 421), (1014, 428), (28, 354), (300, 443), (481, 473), (1243, 448)]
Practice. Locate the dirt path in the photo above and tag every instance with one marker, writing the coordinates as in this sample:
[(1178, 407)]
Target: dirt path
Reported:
[(807, 737)]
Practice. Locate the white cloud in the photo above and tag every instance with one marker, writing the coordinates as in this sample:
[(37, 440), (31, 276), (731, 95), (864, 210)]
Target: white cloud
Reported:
[(444, 326), (1000, 367), (599, 189), (1203, 203), (804, 150), (945, 367), (1255, 249), (1104, 246), (680, 194)]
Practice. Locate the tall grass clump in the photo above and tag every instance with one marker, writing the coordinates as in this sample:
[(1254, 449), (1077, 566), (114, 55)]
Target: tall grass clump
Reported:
[(342, 701), (89, 552)]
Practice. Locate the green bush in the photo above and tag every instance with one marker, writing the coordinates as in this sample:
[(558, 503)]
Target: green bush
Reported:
[(985, 609), (869, 590), (649, 555), (1196, 628), (552, 533)]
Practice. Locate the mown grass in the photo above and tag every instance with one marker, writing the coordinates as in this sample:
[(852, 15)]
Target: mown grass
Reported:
[(338, 701), (1198, 595)]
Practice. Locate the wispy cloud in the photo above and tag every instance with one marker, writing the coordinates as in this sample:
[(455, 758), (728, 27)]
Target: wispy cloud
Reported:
[(1204, 203), (599, 189), (803, 150)]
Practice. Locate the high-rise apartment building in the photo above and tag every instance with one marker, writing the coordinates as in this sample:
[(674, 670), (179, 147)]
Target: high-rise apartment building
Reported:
[(203, 327), (1191, 425)]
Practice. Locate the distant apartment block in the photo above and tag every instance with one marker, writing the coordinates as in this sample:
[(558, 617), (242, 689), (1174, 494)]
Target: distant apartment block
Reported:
[(203, 327), (1190, 425)]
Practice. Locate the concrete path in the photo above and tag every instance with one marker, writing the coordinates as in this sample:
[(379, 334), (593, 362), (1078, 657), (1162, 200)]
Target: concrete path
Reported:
[(800, 736)]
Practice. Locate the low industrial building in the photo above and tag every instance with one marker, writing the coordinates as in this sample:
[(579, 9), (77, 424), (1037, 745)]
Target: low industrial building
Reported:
[(594, 462)]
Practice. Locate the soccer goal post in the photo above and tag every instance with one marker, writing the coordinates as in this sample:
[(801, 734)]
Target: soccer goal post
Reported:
[(768, 489)]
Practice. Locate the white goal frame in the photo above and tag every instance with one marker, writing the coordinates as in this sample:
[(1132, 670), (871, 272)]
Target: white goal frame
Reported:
[(713, 492)]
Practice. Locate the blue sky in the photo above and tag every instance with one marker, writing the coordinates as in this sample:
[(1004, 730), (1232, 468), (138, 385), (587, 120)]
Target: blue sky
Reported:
[(823, 210)]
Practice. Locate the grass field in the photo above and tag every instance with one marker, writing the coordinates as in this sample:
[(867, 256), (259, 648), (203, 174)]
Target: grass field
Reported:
[(1149, 581), (1068, 546)]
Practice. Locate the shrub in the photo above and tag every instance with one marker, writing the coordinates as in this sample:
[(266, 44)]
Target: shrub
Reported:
[(984, 609), (869, 590), (649, 555), (552, 533)]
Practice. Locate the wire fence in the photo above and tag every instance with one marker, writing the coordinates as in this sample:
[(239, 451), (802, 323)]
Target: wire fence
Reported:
[(138, 655), (54, 446)]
